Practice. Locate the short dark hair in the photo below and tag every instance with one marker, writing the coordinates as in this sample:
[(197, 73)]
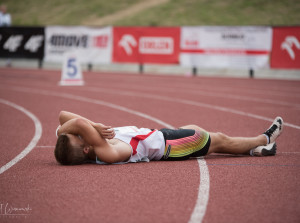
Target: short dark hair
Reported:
[(65, 154)]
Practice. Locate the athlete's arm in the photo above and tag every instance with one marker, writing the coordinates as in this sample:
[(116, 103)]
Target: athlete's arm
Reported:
[(65, 116), (103, 130), (104, 151)]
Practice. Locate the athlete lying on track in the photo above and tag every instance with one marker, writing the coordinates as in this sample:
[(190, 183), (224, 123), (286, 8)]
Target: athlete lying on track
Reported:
[(81, 140)]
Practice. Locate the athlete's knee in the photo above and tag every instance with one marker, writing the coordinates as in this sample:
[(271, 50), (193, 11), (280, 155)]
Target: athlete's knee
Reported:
[(186, 127), (224, 139), (192, 126), (219, 141), (222, 136)]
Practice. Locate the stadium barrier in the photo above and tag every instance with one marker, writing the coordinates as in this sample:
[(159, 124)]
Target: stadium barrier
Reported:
[(245, 47), (22, 42)]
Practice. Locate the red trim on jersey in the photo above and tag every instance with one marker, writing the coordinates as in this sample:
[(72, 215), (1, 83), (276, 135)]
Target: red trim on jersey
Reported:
[(135, 141)]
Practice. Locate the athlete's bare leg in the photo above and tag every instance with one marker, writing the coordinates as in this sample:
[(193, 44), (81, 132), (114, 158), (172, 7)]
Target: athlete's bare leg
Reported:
[(221, 143)]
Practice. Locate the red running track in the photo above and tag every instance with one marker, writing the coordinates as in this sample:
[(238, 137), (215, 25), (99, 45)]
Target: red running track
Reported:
[(235, 189)]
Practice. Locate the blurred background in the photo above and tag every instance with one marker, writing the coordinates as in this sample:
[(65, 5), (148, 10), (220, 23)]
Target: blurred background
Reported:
[(159, 13), (153, 13)]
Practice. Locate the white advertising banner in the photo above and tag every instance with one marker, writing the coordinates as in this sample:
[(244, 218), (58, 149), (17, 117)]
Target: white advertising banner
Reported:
[(93, 45), (225, 46)]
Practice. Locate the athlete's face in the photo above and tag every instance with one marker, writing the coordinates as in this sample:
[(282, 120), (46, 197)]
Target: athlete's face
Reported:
[(78, 143)]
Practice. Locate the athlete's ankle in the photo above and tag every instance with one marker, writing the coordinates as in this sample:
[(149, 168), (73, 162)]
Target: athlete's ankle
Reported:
[(266, 139)]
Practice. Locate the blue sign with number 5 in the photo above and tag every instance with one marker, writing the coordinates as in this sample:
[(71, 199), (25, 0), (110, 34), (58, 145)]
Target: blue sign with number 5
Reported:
[(72, 69)]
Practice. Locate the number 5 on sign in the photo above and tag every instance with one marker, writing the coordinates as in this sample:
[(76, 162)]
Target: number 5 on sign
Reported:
[(71, 71), (71, 65)]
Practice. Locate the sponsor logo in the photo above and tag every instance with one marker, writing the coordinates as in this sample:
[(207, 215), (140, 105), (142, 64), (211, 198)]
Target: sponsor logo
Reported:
[(147, 45), (34, 43), (83, 41), (69, 41), (233, 36), (127, 42), (156, 45), (13, 43), (288, 44), (100, 41)]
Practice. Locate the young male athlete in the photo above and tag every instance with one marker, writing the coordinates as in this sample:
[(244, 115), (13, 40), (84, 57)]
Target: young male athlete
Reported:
[(81, 140)]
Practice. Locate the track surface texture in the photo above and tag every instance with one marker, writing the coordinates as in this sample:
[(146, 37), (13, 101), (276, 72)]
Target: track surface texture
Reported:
[(216, 188)]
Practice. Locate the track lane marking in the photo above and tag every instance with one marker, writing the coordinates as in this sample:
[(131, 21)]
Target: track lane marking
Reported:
[(202, 201), (45, 147), (184, 101), (156, 97), (33, 142), (225, 90), (245, 164), (194, 103), (222, 95), (216, 94)]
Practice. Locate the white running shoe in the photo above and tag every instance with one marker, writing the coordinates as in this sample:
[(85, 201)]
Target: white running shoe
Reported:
[(274, 130), (268, 150)]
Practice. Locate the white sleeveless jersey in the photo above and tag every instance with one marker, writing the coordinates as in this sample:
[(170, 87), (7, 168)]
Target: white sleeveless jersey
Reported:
[(146, 144)]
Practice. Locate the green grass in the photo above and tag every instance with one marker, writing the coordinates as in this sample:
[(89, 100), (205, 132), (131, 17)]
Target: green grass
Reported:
[(220, 12), (172, 13), (61, 12)]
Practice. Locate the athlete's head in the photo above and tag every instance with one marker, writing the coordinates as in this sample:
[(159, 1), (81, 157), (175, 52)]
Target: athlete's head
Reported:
[(70, 150)]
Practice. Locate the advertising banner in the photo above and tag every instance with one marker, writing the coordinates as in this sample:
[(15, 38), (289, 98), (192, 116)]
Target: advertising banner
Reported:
[(93, 45), (22, 42), (286, 47), (146, 44), (225, 47)]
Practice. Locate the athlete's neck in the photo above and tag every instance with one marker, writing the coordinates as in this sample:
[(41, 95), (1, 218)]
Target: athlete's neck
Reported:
[(92, 154)]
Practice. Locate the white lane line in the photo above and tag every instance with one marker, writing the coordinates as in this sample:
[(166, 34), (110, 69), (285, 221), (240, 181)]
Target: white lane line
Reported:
[(221, 95), (159, 97), (189, 102), (221, 90), (45, 147), (203, 190), (202, 201), (33, 142), (288, 152)]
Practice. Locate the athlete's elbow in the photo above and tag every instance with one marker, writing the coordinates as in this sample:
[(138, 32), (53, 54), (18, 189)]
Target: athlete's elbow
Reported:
[(80, 122), (62, 117)]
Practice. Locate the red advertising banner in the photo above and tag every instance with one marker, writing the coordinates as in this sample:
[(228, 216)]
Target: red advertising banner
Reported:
[(286, 47), (146, 44)]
